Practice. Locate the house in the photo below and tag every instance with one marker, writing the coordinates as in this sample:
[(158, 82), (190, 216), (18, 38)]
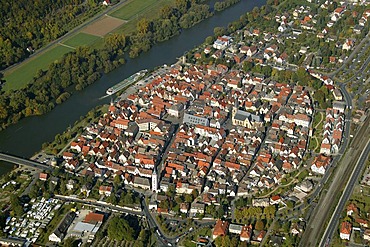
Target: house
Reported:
[(86, 188), (54, 180), (303, 50), (141, 182), (246, 233), (348, 45), (236, 229), (94, 218), (68, 156), (362, 222), (339, 105), (184, 207), (176, 110), (222, 42), (197, 208), (43, 176), (58, 234), (337, 94), (351, 208), (276, 199), (298, 228), (105, 190), (106, 2), (306, 186), (345, 230), (367, 234), (320, 164), (70, 184), (221, 229)]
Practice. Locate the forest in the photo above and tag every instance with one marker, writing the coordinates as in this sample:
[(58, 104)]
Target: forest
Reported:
[(29, 26), (85, 65)]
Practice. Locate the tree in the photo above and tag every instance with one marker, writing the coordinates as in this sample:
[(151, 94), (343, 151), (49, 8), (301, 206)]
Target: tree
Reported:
[(119, 229), (112, 199), (117, 181), (209, 40), (171, 192), (223, 241), (220, 211), (143, 26), (17, 208), (70, 242), (259, 226), (219, 31)]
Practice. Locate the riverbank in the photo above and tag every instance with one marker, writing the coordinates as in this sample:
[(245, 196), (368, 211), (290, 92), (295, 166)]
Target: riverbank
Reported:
[(26, 137), (6, 167)]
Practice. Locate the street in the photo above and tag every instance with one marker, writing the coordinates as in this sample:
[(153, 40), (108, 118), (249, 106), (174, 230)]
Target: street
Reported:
[(343, 169), (333, 223)]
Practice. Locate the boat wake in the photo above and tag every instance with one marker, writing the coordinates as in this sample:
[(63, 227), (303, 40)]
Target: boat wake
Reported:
[(103, 97)]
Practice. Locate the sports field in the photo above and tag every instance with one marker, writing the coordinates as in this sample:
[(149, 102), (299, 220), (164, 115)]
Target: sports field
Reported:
[(24, 73), (133, 8), (81, 39)]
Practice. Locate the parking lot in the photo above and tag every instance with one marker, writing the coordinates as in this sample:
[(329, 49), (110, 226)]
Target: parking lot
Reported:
[(43, 158)]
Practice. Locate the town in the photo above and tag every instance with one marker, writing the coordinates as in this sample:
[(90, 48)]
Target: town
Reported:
[(231, 145)]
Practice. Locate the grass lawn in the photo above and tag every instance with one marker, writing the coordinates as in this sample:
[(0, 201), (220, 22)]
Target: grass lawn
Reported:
[(22, 75), (133, 8), (313, 143), (81, 39)]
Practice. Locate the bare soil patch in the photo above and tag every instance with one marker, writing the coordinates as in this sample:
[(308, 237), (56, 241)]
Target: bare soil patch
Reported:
[(103, 26)]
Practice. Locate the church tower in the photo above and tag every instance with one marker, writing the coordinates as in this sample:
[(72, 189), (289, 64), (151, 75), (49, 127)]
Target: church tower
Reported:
[(154, 180)]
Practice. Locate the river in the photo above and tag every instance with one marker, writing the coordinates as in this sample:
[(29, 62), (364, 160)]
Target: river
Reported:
[(26, 137)]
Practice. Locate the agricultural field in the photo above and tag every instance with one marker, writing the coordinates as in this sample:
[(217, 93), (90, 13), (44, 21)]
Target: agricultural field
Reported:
[(81, 39), (22, 75), (149, 11), (103, 26), (134, 8)]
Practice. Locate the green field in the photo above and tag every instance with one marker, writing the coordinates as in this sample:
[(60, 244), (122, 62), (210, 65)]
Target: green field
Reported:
[(133, 8), (150, 11), (20, 76), (81, 39)]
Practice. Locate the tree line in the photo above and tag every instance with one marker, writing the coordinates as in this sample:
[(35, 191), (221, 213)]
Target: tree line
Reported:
[(219, 6), (33, 25), (80, 68)]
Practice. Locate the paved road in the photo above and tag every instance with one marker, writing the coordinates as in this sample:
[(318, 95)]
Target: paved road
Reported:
[(22, 161), (100, 204), (323, 210), (333, 223), (349, 59), (67, 35)]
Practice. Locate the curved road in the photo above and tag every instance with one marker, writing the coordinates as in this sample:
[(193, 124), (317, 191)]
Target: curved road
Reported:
[(67, 35)]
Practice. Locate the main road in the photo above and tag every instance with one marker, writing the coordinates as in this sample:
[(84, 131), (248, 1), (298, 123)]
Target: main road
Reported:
[(332, 226), (21, 161)]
